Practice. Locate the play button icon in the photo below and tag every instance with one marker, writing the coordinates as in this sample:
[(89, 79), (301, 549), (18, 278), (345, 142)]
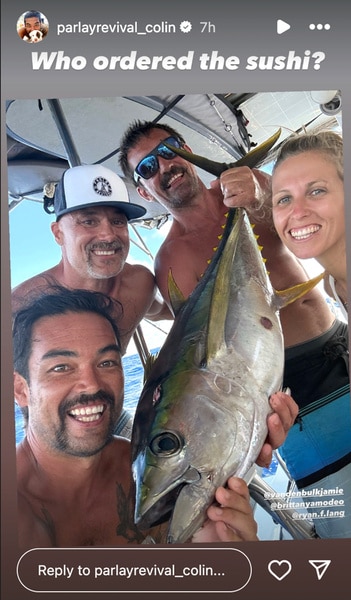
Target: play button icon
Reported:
[(282, 26)]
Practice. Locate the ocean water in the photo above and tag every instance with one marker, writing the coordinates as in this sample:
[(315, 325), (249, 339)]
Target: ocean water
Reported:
[(133, 373)]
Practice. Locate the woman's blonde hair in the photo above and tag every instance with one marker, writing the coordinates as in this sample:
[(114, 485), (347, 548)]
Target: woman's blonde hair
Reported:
[(328, 143)]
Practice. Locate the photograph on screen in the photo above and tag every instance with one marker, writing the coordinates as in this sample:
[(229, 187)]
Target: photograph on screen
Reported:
[(179, 299)]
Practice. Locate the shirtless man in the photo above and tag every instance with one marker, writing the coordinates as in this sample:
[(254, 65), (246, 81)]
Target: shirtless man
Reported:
[(74, 476), (199, 214), (92, 212)]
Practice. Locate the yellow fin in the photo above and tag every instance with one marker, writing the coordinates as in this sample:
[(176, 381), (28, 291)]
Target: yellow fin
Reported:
[(285, 297), (175, 295)]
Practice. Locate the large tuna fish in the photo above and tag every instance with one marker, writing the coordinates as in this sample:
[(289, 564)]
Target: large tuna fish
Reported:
[(202, 413)]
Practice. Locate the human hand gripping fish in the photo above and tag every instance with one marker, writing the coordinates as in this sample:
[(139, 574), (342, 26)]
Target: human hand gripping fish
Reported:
[(202, 415), (231, 518), (285, 411), (244, 186)]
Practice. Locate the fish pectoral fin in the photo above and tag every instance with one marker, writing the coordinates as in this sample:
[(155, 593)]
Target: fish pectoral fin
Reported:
[(176, 296), (285, 297)]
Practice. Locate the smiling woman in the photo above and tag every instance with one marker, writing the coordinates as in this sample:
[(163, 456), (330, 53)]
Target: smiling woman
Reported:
[(308, 213), (212, 126), (308, 204)]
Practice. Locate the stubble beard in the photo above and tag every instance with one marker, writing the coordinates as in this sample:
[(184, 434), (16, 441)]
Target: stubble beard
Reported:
[(184, 197), (62, 442), (111, 269)]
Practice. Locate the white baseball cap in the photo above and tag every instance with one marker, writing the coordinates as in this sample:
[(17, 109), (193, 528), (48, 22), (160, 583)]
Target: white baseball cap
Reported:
[(92, 185)]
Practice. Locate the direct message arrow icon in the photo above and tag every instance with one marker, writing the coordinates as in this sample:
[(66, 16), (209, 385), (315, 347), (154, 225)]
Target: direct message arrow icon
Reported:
[(320, 566)]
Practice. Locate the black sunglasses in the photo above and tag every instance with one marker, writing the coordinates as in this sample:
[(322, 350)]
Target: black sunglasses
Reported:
[(148, 166)]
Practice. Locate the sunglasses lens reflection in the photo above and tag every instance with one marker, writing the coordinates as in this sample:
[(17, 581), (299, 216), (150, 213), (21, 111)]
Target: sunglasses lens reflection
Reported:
[(149, 166)]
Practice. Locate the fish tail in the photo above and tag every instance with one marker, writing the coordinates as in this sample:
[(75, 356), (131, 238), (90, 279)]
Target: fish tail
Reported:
[(251, 159), (255, 156)]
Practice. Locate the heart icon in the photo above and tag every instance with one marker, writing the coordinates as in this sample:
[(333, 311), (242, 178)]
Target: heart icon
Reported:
[(279, 568)]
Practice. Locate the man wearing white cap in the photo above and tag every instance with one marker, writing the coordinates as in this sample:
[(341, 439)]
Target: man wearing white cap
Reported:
[(92, 211)]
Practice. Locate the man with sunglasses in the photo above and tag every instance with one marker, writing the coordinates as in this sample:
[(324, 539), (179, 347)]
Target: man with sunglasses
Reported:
[(198, 217)]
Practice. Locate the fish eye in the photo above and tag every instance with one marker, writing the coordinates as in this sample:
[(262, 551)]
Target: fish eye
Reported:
[(166, 444)]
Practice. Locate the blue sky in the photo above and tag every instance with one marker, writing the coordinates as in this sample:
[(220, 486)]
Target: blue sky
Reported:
[(32, 246)]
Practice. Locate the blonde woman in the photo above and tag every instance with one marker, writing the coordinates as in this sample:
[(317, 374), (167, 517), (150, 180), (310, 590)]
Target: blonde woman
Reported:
[(308, 205)]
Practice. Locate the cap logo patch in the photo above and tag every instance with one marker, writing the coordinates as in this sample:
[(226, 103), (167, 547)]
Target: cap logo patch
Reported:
[(102, 186)]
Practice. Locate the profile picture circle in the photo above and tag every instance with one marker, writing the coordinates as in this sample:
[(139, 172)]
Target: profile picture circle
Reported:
[(32, 26)]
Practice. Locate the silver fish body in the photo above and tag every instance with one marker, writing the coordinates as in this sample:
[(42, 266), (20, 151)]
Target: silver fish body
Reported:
[(202, 415)]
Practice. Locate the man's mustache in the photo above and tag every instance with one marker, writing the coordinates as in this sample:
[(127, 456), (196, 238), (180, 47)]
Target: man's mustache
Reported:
[(166, 178), (84, 399), (105, 246)]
